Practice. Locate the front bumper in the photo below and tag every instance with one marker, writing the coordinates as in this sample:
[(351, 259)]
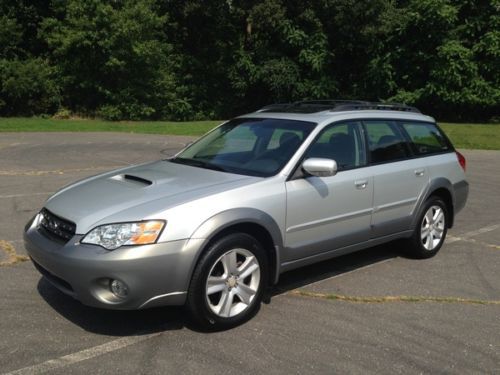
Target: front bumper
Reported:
[(156, 275)]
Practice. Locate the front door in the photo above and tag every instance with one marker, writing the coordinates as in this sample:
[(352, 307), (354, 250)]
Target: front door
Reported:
[(328, 213)]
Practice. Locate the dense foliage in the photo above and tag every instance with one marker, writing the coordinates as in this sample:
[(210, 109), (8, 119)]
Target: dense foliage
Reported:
[(192, 59)]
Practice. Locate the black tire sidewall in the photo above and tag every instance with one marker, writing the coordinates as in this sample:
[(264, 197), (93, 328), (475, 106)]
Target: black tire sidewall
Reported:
[(196, 299), (418, 248)]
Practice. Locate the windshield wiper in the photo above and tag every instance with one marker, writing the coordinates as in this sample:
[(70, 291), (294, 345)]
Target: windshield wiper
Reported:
[(198, 163)]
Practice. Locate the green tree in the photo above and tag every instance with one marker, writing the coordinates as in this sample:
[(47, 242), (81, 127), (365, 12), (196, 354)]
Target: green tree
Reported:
[(443, 59), (27, 87), (28, 83), (184, 59), (113, 58)]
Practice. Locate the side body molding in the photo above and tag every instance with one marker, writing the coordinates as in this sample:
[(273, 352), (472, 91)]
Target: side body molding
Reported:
[(225, 219)]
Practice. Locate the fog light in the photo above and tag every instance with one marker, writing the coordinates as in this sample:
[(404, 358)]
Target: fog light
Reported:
[(118, 288)]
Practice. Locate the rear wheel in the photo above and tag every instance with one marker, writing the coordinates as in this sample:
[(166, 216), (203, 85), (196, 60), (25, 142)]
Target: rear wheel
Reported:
[(228, 282), (431, 229)]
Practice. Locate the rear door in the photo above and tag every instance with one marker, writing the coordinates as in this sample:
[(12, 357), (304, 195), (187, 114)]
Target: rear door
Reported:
[(399, 179)]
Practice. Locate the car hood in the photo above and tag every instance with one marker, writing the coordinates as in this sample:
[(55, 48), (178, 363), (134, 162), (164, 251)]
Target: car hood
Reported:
[(91, 201)]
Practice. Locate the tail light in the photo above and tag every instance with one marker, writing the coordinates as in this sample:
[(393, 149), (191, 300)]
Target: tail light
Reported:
[(461, 160)]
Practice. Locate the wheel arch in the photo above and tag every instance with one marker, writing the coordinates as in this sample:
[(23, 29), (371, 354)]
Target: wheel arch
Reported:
[(442, 188), (446, 196), (256, 223)]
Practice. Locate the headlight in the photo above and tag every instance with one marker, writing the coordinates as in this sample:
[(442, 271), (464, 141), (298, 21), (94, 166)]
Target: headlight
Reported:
[(112, 236)]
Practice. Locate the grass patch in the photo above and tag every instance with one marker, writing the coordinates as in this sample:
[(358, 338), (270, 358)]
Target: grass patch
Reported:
[(469, 136), (33, 124), (473, 136)]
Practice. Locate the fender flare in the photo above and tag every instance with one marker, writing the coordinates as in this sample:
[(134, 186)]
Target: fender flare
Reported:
[(437, 183), (225, 219)]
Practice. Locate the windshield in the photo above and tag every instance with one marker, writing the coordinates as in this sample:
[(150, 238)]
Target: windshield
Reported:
[(255, 147)]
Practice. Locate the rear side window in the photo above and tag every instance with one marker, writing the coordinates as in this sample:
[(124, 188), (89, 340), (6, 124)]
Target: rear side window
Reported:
[(426, 138), (386, 143)]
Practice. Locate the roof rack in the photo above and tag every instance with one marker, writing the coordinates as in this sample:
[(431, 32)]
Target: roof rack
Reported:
[(377, 106), (312, 106)]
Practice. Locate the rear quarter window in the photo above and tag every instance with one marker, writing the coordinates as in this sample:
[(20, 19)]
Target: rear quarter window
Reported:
[(425, 138)]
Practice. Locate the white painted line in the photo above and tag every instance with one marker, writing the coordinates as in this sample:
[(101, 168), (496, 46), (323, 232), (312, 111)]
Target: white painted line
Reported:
[(58, 171), (82, 355), (481, 230), (472, 233), (25, 195), (450, 239)]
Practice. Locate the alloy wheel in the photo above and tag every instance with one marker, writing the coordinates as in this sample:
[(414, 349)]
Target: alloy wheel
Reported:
[(232, 283), (432, 228)]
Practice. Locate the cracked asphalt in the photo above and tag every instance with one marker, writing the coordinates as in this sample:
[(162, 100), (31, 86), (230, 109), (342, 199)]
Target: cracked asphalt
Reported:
[(370, 312)]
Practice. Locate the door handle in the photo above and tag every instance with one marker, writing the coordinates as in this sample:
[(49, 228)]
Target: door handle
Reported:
[(361, 184), (419, 172)]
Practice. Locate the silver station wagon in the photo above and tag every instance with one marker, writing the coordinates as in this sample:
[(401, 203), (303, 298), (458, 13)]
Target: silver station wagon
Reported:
[(286, 186)]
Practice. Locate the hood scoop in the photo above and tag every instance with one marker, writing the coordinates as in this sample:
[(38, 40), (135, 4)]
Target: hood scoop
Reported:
[(132, 180)]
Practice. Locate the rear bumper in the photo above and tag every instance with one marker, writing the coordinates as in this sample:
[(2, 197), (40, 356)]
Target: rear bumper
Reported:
[(460, 193), (155, 275)]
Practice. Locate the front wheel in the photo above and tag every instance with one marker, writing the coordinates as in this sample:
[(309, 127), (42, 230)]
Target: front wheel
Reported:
[(228, 282), (431, 229)]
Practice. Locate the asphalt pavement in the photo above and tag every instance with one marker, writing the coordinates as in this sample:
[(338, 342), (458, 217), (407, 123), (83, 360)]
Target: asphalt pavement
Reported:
[(370, 312)]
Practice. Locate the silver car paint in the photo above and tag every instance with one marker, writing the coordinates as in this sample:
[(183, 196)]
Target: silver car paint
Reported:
[(107, 199), (155, 274), (318, 207), (308, 219)]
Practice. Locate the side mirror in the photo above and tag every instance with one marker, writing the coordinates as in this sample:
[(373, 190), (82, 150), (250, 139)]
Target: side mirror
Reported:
[(320, 167)]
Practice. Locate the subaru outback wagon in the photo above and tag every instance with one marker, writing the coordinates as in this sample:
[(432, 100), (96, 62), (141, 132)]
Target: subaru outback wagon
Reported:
[(286, 186)]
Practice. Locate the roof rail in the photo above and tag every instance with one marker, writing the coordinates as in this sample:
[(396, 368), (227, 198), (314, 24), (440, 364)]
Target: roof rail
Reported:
[(377, 106), (312, 106)]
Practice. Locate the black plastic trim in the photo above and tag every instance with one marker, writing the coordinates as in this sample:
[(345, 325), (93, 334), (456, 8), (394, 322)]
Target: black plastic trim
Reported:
[(55, 227), (137, 179)]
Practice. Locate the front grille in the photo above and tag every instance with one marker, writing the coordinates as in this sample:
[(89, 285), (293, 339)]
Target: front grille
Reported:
[(56, 228)]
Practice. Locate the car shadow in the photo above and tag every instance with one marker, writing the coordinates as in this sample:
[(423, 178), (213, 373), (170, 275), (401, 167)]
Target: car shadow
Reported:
[(112, 322), (159, 319), (301, 277)]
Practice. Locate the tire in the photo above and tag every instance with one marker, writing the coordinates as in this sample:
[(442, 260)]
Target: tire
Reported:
[(238, 269), (430, 231)]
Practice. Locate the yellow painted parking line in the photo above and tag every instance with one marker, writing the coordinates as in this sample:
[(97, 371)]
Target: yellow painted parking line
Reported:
[(13, 257), (383, 299)]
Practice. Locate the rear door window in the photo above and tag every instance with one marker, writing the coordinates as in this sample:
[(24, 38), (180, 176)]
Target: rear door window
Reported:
[(386, 143), (426, 138)]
